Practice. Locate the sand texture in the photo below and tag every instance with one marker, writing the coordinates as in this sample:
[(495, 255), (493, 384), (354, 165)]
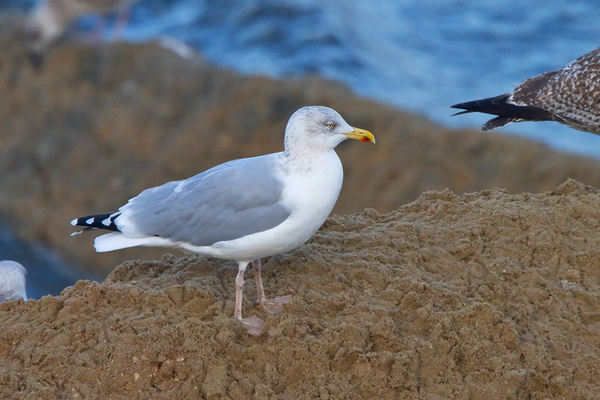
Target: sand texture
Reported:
[(487, 295)]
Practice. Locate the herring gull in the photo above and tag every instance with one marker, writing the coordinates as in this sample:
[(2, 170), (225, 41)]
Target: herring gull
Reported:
[(242, 210), (12, 281), (569, 95), (50, 18)]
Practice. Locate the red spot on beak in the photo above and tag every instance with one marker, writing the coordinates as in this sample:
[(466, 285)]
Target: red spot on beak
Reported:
[(365, 139)]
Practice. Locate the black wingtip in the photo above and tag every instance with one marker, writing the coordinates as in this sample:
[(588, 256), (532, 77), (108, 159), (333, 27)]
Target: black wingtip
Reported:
[(460, 106), (489, 105), (98, 221), (506, 112), (460, 112)]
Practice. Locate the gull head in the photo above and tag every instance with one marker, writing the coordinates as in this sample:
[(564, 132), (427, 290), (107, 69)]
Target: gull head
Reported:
[(322, 128)]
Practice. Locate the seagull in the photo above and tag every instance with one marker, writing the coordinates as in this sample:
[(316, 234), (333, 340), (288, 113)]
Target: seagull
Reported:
[(12, 281), (50, 18), (570, 95), (245, 209)]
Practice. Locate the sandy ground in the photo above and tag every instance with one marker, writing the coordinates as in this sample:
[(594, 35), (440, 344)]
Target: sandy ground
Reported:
[(487, 295)]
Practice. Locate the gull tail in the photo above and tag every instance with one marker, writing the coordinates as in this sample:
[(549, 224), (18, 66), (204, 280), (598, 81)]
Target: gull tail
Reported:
[(506, 112), (116, 241)]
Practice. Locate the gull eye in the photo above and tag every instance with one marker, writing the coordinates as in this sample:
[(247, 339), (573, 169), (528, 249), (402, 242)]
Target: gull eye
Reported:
[(330, 125)]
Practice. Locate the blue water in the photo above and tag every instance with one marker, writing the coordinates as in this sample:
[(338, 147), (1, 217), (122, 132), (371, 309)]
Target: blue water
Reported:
[(419, 55)]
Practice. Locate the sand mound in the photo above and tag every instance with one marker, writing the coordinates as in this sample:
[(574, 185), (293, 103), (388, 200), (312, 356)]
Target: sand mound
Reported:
[(482, 296)]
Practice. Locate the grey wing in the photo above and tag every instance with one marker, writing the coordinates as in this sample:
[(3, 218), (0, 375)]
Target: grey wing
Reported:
[(226, 202)]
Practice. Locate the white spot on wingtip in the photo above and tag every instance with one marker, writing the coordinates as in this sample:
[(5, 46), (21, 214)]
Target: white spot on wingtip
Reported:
[(90, 221), (106, 222), (74, 222)]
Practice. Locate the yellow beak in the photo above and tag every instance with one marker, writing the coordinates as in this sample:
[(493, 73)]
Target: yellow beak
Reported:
[(361, 134)]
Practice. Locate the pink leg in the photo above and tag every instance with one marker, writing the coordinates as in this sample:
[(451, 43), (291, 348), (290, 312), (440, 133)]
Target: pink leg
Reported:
[(274, 306), (239, 287), (253, 325)]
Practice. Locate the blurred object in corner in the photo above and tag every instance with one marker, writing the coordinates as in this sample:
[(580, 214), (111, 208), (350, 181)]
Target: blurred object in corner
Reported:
[(12, 281), (49, 19)]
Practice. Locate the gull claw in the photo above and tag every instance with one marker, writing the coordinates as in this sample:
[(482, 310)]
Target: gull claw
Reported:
[(275, 306), (254, 325)]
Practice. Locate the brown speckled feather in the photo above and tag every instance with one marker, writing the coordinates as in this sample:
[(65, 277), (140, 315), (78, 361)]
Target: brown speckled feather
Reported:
[(568, 95)]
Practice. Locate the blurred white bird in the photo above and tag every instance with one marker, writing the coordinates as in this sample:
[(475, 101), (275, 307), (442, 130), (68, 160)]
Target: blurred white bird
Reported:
[(12, 281), (49, 19)]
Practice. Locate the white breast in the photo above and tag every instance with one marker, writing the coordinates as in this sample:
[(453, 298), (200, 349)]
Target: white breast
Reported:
[(310, 194)]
